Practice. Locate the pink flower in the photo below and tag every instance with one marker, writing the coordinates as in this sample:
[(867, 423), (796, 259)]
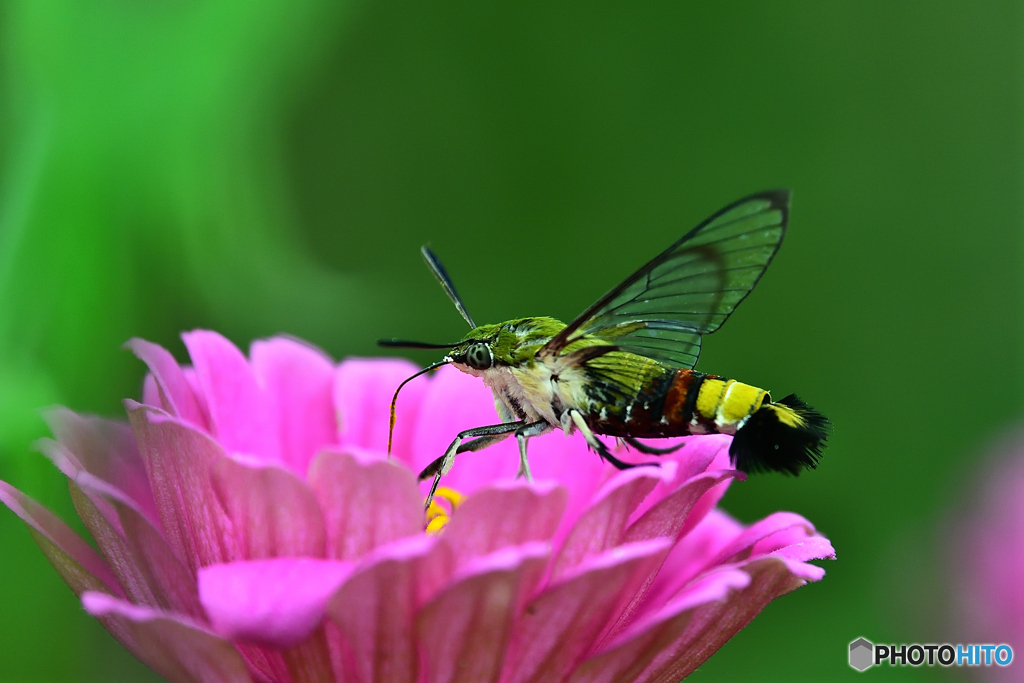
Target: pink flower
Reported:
[(250, 527), (988, 560)]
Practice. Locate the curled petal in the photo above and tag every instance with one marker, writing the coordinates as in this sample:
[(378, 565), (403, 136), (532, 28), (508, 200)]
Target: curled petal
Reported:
[(70, 467), (175, 648), (74, 559), (103, 448), (173, 390), (744, 544), (277, 602), (350, 490), (800, 531), (298, 381), (810, 548), (273, 513), (240, 413), (464, 630), (702, 453)]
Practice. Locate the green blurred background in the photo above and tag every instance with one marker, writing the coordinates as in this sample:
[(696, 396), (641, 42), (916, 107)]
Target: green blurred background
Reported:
[(260, 167)]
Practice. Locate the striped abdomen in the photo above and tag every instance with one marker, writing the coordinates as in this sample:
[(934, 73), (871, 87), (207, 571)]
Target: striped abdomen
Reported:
[(680, 403), (785, 436)]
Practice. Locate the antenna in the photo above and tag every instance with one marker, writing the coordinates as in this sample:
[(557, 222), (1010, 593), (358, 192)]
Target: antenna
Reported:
[(441, 274)]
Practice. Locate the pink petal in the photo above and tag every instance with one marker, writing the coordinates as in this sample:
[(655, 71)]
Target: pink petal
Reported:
[(311, 659), (812, 548), (365, 502), (702, 453), (504, 514), (627, 657), (374, 610), (299, 383), (175, 395), (799, 532), (151, 393), (105, 449), (464, 630), (277, 602), (145, 566), (240, 413), (674, 642), (178, 458), (603, 525), (74, 559), (70, 467), (173, 647), (667, 518), (705, 505), (136, 551), (197, 390), (742, 546), (694, 552), (363, 388), (273, 513), (570, 462), (698, 455), (562, 624)]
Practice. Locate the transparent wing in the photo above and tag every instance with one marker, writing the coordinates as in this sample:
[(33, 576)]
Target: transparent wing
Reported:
[(661, 310)]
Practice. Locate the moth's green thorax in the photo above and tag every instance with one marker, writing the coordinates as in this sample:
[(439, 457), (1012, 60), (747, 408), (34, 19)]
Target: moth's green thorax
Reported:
[(515, 343)]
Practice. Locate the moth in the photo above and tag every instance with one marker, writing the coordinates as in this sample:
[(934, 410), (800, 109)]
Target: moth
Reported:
[(624, 367)]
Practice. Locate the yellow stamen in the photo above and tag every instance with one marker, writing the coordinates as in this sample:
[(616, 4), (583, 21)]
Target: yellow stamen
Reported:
[(451, 495), (435, 511), (436, 525), (436, 515)]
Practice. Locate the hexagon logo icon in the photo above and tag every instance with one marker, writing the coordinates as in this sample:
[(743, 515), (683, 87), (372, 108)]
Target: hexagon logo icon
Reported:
[(861, 654)]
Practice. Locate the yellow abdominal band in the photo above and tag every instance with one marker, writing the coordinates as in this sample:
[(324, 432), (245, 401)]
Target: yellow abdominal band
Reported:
[(728, 402)]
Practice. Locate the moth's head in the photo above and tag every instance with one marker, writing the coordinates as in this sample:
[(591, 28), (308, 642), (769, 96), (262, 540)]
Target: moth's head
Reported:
[(482, 349)]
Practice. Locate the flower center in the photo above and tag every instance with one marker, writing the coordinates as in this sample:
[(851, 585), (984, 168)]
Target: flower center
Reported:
[(438, 515)]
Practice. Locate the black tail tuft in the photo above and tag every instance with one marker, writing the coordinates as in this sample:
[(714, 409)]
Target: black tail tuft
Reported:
[(785, 436)]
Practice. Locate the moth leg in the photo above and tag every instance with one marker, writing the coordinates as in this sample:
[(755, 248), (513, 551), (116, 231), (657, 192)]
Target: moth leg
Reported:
[(522, 435), (601, 449), (651, 450), (481, 443), (482, 437)]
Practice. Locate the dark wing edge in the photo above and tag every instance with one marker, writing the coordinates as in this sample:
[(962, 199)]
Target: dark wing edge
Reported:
[(674, 341)]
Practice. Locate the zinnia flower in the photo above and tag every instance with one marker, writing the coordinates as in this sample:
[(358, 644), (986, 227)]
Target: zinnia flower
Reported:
[(988, 560), (251, 527)]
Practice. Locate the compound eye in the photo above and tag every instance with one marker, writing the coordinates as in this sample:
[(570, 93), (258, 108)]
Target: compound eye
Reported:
[(478, 356)]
